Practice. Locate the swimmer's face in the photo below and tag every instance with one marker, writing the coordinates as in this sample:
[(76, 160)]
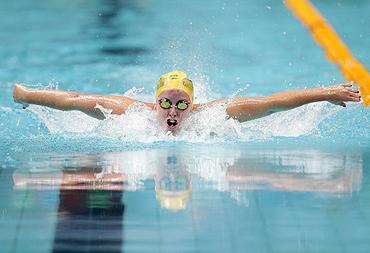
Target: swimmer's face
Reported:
[(171, 119)]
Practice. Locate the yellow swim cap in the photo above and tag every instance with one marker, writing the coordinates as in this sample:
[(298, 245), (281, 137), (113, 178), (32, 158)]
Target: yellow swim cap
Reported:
[(175, 80)]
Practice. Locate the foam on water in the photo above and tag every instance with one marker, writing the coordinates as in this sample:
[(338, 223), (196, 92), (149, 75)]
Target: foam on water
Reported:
[(209, 124), (205, 125)]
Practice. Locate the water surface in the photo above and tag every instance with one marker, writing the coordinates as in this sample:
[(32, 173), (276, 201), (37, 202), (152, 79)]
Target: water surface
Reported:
[(295, 181)]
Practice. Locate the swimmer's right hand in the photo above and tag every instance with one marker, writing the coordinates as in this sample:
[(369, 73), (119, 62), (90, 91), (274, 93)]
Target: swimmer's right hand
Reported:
[(19, 95)]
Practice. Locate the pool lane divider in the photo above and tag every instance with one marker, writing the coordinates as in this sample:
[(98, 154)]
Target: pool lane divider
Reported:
[(335, 49)]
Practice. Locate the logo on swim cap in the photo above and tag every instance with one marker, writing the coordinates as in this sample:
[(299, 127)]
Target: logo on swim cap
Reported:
[(175, 80)]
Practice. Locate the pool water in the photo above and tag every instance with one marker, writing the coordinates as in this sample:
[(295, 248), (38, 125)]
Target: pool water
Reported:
[(296, 181)]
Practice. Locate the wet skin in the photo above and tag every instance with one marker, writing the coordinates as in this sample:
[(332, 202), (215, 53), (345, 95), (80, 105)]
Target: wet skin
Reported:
[(241, 109), (171, 119)]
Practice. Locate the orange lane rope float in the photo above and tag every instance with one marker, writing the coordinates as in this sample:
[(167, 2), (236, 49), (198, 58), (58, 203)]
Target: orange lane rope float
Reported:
[(334, 47)]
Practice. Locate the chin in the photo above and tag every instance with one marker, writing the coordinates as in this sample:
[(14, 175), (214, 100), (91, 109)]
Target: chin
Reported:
[(172, 129)]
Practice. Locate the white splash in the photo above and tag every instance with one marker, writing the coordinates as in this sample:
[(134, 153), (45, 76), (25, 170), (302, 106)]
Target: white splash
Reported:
[(304, 120), (208, 124), (138, 124), (62, 121)]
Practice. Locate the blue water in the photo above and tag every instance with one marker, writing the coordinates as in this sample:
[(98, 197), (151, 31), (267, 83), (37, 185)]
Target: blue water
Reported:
[(296, 181)]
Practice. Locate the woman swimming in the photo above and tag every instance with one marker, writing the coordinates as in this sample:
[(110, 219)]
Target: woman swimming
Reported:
[(175, 101)]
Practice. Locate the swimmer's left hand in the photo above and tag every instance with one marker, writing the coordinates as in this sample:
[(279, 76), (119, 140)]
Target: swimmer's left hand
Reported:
[(341, 93)]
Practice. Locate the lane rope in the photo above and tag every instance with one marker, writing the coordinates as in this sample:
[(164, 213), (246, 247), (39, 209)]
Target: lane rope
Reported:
[(334, 48)]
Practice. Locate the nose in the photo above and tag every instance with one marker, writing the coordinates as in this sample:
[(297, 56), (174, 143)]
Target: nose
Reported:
[(172, 113)]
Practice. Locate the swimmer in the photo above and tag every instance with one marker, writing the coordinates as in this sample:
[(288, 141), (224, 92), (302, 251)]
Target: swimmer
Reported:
[(175, 101)]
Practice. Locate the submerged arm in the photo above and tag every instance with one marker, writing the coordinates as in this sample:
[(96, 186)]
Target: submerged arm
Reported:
[(68, 101), (244, 109)]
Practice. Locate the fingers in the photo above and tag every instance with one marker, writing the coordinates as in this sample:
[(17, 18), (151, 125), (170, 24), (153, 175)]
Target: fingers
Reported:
[(353, 93), (345, 92), (344, 85), (355, 98), (354, 90)]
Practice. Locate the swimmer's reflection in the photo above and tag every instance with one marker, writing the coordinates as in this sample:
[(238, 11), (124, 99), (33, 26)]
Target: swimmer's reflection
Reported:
[(172, 173), (344, 180), (172, 180), (173, 184)]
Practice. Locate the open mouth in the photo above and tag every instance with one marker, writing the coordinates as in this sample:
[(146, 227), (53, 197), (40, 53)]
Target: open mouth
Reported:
[(172, 123)]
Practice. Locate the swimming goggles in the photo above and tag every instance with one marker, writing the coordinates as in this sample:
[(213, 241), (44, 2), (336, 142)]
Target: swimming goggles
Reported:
[(165, 103)]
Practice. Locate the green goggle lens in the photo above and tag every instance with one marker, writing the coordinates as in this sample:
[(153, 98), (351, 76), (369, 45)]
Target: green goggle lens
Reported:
[(182, 105), (165, 104)]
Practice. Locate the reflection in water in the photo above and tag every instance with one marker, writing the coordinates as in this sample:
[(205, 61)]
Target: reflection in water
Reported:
[(89, 221), (172, 172), (91, 211), (173, 184)]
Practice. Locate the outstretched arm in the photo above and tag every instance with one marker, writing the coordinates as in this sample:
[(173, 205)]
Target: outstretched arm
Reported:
[(244, 109), (67, 101)]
